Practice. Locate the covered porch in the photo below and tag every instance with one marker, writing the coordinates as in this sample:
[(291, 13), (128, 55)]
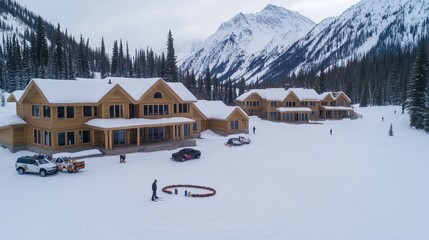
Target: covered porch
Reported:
[(294, 114), (110, 134), (336, 112)]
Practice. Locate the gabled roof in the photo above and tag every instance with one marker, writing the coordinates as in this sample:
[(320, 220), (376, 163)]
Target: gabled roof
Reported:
[(83, 90), (270, 94), (217, 109), (15, 96), (279, 94), (304, 94), (334, 95)]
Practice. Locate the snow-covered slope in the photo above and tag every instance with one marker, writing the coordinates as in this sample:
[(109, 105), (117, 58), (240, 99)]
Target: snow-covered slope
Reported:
[(231, 49), (294, 182), (11, 25), (368, 25)]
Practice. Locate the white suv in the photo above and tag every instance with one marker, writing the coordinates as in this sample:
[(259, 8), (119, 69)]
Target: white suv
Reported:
[(35, 165)]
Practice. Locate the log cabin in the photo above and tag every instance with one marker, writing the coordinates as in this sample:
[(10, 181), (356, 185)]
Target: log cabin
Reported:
[(113, 115), (295, 105)]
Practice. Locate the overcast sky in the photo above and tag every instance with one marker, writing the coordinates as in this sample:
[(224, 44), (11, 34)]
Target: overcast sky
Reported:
[(146, 22)]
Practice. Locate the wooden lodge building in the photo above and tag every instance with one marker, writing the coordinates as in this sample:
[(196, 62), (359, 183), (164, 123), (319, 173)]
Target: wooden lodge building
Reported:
[(113, 115), (295, 105)]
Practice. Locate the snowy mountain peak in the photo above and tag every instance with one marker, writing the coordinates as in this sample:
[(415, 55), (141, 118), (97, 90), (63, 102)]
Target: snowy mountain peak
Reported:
[(370, 25), (239, 40)]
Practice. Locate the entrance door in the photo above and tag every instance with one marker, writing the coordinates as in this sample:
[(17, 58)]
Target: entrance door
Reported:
[(119, 137), (155, 134)]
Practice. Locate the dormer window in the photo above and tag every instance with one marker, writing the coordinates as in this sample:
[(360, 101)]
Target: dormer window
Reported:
[(157, 95)]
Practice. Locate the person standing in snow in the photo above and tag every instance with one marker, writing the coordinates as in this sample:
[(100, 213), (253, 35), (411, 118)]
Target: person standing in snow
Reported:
[(122, 158), (330, 131), (254, 129), (154, 187), (382, 119)]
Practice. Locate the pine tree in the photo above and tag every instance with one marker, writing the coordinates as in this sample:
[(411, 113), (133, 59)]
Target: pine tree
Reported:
[(321, 84), (208, 84), (416, 101), (121, 60), (115, 60), (41, 49), (104, 61), (242, 86), (3, 99), (364, 98), (58, 55), (171, 72)]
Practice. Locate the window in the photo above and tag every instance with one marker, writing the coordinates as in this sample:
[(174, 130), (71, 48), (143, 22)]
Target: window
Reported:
[(290, 104), (312, 104), (115, 111), (60, 112), (37, 136), (46, 111), (70, 112), (87, 111), (332, 103), (186, 130), (61, 139), (183, 108), (95, 111), (273, 104), (304, 117), (194, 127), (304, 104), (47, 138), (273, 115), (155, 110), (118, 137), (84, 136), (157, 95), (70, 138), (234, 125), (35, 110)]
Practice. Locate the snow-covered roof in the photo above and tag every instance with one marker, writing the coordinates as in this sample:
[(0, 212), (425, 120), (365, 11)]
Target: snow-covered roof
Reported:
[(17, 94), (117, 123), (305, 94), (271, 94), (216, 109), (83, 90), (279, 94), (337, 108), (10, 120), (182, 91), (334, 95), (294, 109)]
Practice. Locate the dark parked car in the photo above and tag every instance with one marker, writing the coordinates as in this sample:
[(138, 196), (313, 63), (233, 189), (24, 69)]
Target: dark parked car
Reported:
[(233, 142), (186, 154)]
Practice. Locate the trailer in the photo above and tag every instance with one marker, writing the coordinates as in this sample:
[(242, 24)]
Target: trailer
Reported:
[(69, 165)]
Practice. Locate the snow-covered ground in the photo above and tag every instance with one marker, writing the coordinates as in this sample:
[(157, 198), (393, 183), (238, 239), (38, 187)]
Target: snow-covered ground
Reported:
[(291, 182)]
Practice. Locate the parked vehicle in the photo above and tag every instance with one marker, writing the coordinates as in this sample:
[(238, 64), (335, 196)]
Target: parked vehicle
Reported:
[(69, 165), (244, 140), (186, 154), (233, 142), (35, 164)]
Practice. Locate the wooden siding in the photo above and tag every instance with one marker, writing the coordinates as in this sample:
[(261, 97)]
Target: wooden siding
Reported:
[(18, 135), (6, 136), (253, 110)]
